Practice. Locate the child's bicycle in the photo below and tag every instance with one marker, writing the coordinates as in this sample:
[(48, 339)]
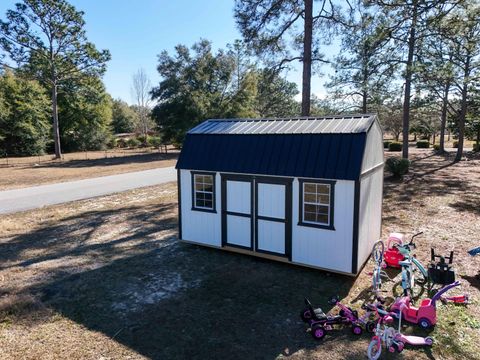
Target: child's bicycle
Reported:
[(378, 272), (408, 270)]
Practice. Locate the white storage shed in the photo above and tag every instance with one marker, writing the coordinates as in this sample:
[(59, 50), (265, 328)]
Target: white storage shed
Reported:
[(301, 190)]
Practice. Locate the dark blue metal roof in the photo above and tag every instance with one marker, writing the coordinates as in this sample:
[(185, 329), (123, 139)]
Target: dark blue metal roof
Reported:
[(315, 156), (283, 147)]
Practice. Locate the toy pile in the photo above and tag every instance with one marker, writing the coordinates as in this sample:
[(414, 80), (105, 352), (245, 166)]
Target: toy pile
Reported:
[(378, 317)]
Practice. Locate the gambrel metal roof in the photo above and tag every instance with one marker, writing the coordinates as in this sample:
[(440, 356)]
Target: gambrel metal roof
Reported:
[(325, 148), (307, 125)]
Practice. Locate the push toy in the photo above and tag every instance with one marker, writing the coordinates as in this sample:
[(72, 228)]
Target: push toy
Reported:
[(426, 314)]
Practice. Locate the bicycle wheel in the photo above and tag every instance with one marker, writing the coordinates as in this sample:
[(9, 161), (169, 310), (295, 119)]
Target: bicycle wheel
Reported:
[(377, 251), (407, 283), (374, 349), (420, 277)]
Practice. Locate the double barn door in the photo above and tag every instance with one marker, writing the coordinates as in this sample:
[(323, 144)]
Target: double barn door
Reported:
[(256, 214)]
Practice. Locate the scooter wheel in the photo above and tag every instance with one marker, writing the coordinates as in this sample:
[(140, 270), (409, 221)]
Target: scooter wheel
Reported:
[(399, 345), (318, 332), (429, 340)]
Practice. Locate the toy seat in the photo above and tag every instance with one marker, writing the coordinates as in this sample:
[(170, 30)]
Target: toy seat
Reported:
[(395, 238), (426, 302), (319, 315)]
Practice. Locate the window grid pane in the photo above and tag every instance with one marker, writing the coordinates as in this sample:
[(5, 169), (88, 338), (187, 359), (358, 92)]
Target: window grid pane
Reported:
[(203, 185), (316, 203)]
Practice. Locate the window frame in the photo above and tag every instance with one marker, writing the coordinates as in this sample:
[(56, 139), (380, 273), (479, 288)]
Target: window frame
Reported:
[(213, 209), (301, 209)]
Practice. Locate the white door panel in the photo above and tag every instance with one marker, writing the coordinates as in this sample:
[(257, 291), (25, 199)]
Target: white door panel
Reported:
[(238, 196), (239, 230), (271, 236), (271, 200)]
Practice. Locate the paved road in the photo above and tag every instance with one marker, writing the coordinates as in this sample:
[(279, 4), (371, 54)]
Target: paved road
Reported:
[(38, 196)]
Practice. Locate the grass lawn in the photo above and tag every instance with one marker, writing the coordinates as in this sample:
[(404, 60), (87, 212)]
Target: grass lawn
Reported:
[(75, 167), (106, 279)]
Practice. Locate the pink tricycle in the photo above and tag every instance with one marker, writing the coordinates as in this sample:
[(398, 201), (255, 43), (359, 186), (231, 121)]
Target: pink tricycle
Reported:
[(426, 314)]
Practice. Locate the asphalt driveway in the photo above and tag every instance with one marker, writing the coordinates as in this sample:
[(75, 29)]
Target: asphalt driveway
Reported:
[(37, 196)]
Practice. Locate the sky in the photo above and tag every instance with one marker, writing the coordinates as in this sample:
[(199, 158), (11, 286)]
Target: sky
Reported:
[(135, 32)]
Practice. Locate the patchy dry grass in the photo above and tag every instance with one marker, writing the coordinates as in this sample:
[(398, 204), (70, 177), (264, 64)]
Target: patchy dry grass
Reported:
[(78, 168), (106, 278)]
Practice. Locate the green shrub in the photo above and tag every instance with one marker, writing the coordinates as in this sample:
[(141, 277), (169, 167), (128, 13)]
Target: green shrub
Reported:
[(121, 143), (155, 141), (397, 166), (386, 144), (436, 147), (133, 143), (112, 143), (476, 147), (455, 144), (423, 144), (395, 146)]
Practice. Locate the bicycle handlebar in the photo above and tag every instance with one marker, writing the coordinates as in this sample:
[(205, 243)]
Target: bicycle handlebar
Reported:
[(414, 236)]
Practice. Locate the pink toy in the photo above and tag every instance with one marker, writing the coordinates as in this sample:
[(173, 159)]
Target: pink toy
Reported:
[(392, 255), (393, 339), (426, 314)]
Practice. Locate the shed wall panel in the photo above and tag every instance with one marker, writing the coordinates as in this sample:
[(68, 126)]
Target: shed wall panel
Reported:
[(199, 226), (331, 249), (370, 214), (373, 154)]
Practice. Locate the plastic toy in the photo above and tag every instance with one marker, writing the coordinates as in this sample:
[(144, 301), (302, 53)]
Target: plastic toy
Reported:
[(441, 272), (362, 321), (320, 323), (474, 251), (426, 314), (393, 339), (392, 255), (458, 299)]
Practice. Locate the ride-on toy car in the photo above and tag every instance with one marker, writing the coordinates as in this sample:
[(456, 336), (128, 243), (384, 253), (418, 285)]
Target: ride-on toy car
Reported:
[(426, 314), (392, 255), (319, 322)]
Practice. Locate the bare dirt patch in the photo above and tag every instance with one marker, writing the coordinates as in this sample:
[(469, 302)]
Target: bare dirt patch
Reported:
[(107, 278)]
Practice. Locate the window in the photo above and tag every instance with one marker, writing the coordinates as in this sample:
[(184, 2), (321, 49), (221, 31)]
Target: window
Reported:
[(316, 204), (203, 191)]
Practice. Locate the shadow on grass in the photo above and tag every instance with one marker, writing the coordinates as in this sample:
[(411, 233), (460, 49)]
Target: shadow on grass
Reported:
[(166, 299), (120, 160), (184, 301), (71, 236)]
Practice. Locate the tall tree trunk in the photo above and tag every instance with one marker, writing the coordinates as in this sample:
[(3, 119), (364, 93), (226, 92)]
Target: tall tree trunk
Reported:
[(364, 101), (56, 131), (307, 58), (408, 82), (463, 110), (443, 123)]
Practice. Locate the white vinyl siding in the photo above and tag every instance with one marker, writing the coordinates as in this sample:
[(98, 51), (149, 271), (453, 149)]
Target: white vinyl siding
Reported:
[(320, 247)]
